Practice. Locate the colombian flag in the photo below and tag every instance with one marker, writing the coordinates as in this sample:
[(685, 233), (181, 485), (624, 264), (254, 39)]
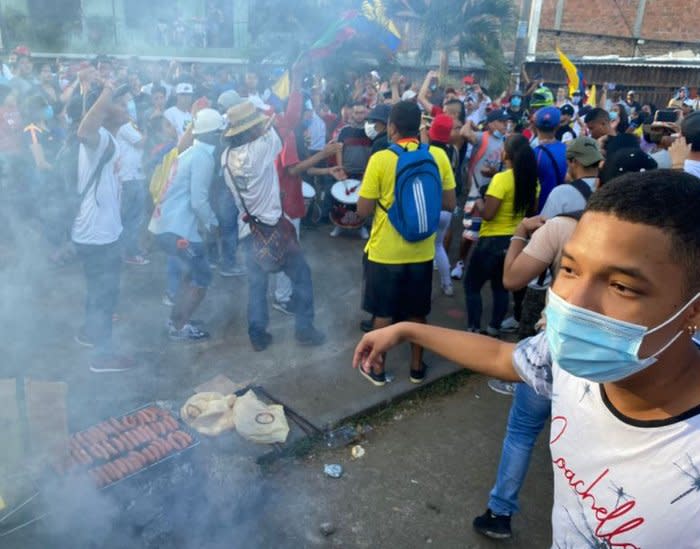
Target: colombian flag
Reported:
[(576, 81)]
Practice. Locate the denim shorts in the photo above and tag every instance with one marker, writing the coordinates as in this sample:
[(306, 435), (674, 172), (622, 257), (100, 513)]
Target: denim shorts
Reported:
[(192, 257)]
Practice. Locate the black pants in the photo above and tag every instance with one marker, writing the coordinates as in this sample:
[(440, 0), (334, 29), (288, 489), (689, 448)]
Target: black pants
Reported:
[(102, 267)]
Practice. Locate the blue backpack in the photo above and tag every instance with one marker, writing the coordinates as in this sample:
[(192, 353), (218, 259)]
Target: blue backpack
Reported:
[(415, 213)]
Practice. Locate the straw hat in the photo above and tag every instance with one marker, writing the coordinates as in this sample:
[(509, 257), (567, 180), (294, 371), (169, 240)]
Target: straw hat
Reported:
[(243, 117)]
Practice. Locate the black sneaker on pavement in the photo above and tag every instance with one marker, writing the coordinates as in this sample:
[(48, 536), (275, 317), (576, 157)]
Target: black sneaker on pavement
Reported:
[(311, 338), (260, 341), (188, 332), (493, 526), (284, 307), (418, 376), (104, 364)]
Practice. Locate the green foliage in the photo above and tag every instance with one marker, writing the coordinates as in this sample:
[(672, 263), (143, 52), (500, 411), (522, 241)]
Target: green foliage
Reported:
[(472, 27)]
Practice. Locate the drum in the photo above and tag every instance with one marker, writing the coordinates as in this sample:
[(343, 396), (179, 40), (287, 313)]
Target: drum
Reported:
[(309, 193), (343, 213)]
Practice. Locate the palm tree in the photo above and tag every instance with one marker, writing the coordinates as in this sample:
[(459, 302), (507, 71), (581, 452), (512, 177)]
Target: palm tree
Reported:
[(468, 26)]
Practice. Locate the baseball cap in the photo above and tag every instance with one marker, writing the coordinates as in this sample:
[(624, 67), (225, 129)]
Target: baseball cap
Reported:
[(441, 128), (380, 113), (184, 88), (408, 95), (690, 128), (624, 161), (495, 115), (584, 150), (547, 118), (567, 110)]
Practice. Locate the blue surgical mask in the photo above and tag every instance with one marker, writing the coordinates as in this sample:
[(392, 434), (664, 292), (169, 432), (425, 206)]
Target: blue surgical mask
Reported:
[(614, 116), (47, 112), (499, 135), (596, 347), (516, 102)]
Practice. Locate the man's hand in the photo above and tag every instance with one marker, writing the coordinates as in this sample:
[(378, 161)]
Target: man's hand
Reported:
[(529, 225), (395, 79), (338, 173), (331, 149), (370, 351), (679, 151)]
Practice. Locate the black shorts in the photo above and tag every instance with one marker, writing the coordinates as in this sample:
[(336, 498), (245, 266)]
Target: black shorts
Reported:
[(398, 291)]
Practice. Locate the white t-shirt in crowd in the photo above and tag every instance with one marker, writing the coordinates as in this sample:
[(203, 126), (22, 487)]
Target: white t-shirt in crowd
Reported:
[(663, 159), (692, 167), (255, 178), (179, 119), (99, 220), (131, 156), (618, 482)]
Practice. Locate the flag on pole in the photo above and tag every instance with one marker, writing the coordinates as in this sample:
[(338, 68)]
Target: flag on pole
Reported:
[(571, 71)]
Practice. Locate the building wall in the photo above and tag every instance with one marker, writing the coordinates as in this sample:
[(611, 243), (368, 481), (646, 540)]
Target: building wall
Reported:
[(606, 27)]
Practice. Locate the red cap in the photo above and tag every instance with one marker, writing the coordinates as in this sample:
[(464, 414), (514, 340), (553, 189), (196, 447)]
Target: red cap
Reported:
[(441, 128), (469, 80), (22, 50)]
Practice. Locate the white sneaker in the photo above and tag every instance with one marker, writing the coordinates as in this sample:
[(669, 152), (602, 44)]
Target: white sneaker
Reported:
[(335, 232), (502, 387), (449, 291), (510, 325), (458, 271), (364, 233)]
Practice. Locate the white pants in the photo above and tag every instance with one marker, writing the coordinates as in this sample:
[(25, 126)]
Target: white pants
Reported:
[(441, 259), (283, 286)]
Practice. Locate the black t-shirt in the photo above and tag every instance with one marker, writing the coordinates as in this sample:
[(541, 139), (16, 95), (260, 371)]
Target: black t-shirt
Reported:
[(562, 131), (380, 143), (357, 148)]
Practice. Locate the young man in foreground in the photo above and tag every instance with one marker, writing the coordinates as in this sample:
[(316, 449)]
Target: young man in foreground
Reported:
[(618, 359)]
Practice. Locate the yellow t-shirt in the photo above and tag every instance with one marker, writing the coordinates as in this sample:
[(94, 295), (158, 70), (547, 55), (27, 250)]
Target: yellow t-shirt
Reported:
[(385, 244), (504, 223)]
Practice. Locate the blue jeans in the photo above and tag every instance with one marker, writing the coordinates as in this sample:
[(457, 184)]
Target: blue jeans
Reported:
[(485, 265), (297, 269), (191, 262), (102, 268), (227, 214), (133, 209), (528, 415)]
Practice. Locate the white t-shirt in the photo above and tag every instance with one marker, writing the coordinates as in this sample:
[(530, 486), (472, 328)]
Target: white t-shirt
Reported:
[(255, 178), (663, 159), (179, 119), (565, 198), (692, 167), (99, 220), (618, 482), (131, 157)]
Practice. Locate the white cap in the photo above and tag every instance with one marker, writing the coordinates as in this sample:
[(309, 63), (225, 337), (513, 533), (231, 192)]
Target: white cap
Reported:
[(228, 99), (207, 120), (184, 88), (408, 95)]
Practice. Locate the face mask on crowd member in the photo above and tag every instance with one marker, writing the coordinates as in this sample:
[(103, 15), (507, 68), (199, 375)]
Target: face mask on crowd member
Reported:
[(496, 123), (516, 102), (376, 121), (576, 98)]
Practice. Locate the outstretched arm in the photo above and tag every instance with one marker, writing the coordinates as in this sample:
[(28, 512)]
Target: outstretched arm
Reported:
[(481, 354)]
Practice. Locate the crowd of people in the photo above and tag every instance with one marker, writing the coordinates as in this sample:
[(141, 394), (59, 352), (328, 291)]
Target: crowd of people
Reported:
[(210, 168)]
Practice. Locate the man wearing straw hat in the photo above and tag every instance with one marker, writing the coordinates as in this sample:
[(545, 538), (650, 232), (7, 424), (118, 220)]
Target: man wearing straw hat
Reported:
[(249, 169)]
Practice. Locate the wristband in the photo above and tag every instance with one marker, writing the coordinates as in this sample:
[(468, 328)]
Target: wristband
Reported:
[(516, 237)]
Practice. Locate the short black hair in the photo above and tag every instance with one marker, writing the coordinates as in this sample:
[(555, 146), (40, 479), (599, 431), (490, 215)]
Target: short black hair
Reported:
[(594, 115), (666, 199), (462, 111), (405, 116)]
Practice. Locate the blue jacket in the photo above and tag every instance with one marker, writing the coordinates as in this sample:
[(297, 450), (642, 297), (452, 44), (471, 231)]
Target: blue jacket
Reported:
[(185, 208)]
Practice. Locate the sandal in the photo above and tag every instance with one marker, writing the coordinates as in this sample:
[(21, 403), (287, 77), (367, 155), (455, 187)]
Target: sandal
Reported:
[(418, 376), (378, 380)]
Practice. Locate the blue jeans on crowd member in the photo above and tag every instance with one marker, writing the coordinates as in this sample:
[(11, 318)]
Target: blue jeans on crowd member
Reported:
[(174, 272), (486, 264), (102, 268), (528, 414), (133, 209), (227, 214), (191, 262), (297, 269)]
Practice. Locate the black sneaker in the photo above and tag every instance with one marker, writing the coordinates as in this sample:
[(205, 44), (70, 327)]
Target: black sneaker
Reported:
[(188, 332), (418, 376), (367, 325), (311, 338), (260, 341), (493, 526)]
